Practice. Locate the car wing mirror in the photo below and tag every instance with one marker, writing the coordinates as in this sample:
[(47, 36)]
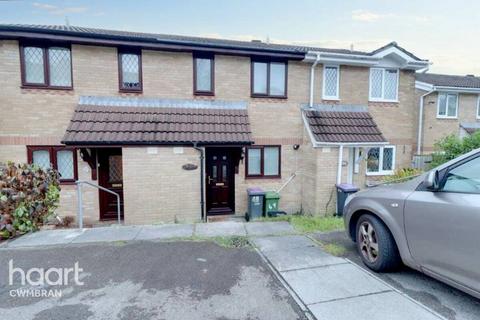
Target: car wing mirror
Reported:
[(431, 181)]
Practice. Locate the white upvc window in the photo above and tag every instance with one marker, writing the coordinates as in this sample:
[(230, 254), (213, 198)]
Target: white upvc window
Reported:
[(381, 161), (478, 107), (331, 80), (383, 84), (447, 105)]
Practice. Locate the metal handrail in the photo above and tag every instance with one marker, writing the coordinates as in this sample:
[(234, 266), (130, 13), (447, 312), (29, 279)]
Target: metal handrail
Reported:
[(79, 196)]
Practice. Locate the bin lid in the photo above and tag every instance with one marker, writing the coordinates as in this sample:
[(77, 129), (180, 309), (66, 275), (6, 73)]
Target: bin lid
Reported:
[(347, 187), (255, 191), (272, 195)]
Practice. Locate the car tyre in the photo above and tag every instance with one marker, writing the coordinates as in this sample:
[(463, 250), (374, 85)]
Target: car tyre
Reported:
[(376, 245)]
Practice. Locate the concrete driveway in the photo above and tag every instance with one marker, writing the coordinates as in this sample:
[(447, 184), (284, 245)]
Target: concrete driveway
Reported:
[(149, 280), (445, 300)]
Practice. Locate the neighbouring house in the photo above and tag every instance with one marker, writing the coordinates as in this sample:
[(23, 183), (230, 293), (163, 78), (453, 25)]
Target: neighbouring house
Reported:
[(181, 126), (448, 104)]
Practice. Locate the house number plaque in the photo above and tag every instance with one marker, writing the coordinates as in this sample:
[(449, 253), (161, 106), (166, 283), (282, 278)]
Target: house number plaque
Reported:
[(189, 166)]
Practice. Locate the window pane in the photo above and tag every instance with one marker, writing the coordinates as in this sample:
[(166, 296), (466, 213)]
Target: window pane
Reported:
[(331, 81), (390, 84), (42, 159), (204, 74), (60, 67), (271, 157), (130, 71), (254, 161), (388, 156), (373, 160), (115, 173), (452, 105), (464, 178), (34, 69), (376, 79), (277, 79), (65, 164), (260, 77), (442, 104)]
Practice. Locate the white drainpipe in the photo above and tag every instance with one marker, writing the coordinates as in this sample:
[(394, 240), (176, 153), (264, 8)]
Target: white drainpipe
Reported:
[(340, 161), (420, 122), (312, 79)]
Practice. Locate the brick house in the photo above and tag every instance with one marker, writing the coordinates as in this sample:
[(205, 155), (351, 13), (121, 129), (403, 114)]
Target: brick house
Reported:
[(448, 104), (182, 126)]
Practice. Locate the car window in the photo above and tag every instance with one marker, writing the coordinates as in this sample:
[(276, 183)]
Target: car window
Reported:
[(464, 178)]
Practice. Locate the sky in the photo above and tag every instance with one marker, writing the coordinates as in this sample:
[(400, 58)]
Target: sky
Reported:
[(445, 32)]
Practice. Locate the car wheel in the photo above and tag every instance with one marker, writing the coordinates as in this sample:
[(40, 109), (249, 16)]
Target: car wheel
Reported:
[(376, 245)]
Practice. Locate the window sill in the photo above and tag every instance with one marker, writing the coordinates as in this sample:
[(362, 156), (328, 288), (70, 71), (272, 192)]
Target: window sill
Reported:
[(383, 101), (382, 173), (139, 91), (331, 98), (268, 97), (262, 177), (204, 93), (24, 86), (447, 118)]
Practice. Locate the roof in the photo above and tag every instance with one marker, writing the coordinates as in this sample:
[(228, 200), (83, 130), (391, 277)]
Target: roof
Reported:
[(354, 124), (157, 38), (446, 80), (470, 128), (134, 121)]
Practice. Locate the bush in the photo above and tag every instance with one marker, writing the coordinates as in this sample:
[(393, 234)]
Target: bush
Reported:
[(28, 196), (403, 174), (452, 146)]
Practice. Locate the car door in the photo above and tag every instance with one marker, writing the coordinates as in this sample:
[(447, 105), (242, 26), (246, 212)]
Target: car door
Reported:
[(443, 226)]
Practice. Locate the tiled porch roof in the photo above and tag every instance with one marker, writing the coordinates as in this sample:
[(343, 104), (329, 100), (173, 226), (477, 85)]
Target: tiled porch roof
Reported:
[(133, 121), (342, 124)]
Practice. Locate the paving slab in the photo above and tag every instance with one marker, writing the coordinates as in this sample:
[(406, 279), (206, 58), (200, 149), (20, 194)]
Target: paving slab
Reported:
[(282, 242), (269, 228), (333, 282), (167, 231), (382, 306), (108, 234), (46, 237), (300, 258), (220, 229)]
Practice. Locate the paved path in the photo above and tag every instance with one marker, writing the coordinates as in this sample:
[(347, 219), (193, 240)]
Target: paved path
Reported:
[(329, 287), (333, 288)]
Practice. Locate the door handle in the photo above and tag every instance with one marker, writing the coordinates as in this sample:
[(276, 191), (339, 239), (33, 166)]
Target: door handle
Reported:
[(209, 179)]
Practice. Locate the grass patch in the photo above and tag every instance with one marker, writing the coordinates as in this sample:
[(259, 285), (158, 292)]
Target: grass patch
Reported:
[(335, 249), (232, 242), (308, 223)]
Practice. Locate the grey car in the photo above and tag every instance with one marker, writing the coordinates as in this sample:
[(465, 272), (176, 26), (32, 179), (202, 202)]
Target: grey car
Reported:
[(430, 223)]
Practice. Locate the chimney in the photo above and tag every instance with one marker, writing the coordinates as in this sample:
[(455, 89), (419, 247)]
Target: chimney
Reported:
[(256, 41), (351, 47), (471, 75)]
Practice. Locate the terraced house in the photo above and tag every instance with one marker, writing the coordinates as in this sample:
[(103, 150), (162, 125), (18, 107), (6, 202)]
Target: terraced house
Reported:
[(182, 126)]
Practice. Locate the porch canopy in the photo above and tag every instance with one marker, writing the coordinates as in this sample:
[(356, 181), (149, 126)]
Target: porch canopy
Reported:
[(341, 126), (144, 121)]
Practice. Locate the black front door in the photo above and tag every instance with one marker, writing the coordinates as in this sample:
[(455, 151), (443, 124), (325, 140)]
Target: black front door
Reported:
[(110, 176), (220, 181)]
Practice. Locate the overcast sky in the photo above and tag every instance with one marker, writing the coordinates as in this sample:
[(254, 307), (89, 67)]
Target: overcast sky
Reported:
[(445, 32)]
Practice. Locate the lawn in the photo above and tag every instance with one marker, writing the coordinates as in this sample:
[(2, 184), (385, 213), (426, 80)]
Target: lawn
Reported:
[(309, 224)]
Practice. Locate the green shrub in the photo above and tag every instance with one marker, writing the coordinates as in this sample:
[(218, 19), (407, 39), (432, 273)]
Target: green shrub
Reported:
[(452, 146), (28, 196), (403, 174)]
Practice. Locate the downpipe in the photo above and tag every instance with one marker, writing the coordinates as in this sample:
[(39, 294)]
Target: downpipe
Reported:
[(202, 180)]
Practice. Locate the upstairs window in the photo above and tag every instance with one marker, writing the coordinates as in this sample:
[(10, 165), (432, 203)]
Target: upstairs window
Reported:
[(46, 67), (447, 105), (330, 82), (381, 160), (203, 74), (130, 71), (263, 161), (62, 159), (269, 79), (383, 84)]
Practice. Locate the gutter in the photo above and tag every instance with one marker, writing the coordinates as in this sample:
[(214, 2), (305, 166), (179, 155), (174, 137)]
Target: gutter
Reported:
[(202, 180), (420, 121)]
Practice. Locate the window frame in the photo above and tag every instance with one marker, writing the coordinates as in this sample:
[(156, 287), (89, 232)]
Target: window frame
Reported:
[(446, 116), (262, 162), (120, 52), (46, 66), (382, 99), (52, 151), (478, 107), (380, 171), (446, 171), (324, 96), (252, 78), (211, 57)]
